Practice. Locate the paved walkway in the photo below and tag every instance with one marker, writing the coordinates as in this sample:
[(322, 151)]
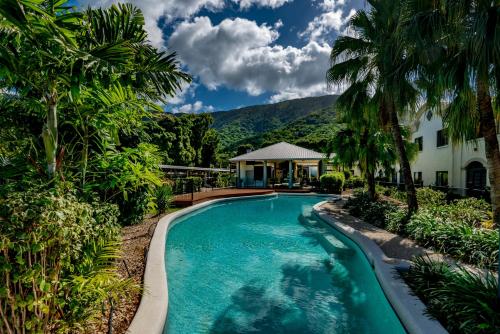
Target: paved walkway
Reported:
[(392, 244)]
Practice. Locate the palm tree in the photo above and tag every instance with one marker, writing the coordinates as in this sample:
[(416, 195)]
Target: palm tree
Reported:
[(374, 60), (456, 45), (48, 53)]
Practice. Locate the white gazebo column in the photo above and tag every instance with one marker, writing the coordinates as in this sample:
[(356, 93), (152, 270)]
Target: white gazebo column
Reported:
[(290, 174), (238, 176), (265, 173)]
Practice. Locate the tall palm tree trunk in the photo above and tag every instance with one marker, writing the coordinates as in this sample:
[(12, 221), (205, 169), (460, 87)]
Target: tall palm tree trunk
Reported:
[(49, 136), (411, 192), (369, 174), (489, 132)]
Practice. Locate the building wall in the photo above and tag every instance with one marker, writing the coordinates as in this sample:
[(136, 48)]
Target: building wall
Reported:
[(453, 158)]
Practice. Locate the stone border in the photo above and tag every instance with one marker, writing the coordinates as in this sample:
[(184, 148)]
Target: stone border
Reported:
[(152, 312), (409, 308)]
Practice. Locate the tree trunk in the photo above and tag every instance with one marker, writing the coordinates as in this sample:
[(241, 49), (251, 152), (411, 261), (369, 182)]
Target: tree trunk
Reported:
[(369, 163), (370, 180), (411, 192), (49, 135), (489, 132)]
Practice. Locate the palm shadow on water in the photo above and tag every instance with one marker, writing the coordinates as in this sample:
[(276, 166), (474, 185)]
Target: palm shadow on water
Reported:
[(314, 299)]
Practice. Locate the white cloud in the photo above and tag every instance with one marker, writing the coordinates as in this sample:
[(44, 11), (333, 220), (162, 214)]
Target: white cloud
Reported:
[(154, 10), (245, 4), (322, 26), (327, 5), (193, 108), (241, 55)]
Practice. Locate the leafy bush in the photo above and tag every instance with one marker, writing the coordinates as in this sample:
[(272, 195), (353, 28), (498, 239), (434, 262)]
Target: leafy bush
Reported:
[(373, 212), (428, 197), (396, 220), (164, 197), (332, 182), (347, 174), (194, 183), (354, 182), (223, 180), (457, 238), (56, 260), (127, 178), (462, 301)]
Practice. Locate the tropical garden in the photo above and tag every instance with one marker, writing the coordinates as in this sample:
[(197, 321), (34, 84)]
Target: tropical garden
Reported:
[(443, 56), (82, 135), (83, 132)]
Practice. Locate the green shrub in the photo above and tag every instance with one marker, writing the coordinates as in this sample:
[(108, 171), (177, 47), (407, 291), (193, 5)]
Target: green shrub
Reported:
[(347, 174), (429, 197), (127, 178), (332, 182), (164, 197), (462, 301), (373, 212), (223, 180), (56, 260), (194, 183), (354, 182), (396, 220), (457, 238)]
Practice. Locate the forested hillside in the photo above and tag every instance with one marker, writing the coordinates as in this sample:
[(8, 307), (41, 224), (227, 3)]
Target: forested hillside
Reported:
[(307, 122)]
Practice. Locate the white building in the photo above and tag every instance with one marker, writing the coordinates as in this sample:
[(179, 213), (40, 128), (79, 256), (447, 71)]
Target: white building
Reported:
[(460, 167)]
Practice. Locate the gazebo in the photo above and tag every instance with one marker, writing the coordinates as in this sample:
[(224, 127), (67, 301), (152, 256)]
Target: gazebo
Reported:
[(283, 164)]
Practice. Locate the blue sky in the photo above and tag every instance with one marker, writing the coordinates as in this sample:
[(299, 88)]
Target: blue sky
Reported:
[(246, 52)]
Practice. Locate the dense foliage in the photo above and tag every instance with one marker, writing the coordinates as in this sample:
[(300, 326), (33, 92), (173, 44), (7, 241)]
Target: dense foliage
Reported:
[(463, 301), (462, 228), (56, 259), (305, 122), (332, 182), (79, 121)]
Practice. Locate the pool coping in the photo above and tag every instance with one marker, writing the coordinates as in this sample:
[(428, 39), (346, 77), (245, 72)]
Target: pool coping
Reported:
[(409, 308)]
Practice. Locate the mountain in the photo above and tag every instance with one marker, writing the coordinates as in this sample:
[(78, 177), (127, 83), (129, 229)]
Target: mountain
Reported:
[(307, 122)]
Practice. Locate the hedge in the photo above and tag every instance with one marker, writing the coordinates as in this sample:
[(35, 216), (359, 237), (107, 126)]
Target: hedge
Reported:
[(332, 182)]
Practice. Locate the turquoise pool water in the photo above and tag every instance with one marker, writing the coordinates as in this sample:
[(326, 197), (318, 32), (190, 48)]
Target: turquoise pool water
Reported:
[(268, 266)]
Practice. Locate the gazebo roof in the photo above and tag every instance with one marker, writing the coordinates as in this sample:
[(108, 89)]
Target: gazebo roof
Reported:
[(280, 151)]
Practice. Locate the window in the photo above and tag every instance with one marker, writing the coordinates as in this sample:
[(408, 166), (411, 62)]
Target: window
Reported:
[(420, 143), (417, 177), (442, 138), (442, 179)]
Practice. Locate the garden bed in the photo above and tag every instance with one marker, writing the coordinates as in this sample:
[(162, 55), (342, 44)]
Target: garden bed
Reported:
[(136, 239)]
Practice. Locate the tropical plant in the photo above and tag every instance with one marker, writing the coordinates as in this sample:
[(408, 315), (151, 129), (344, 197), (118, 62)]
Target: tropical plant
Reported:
[(57, 258), (372, 64), (164, 197), (463, 301), (456, 46), (49, 53)]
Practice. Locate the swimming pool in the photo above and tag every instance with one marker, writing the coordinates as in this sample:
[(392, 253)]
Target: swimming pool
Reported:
[(268, 265)]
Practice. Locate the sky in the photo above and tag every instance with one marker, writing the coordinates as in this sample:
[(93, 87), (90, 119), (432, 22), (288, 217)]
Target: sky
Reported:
[(245, 52)]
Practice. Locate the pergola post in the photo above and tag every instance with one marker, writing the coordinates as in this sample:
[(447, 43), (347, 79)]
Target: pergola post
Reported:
[(265, 173), (238, 171), (290, 174)]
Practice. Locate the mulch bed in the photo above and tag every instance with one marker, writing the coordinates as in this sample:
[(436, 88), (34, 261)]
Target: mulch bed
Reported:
[(136, 241)]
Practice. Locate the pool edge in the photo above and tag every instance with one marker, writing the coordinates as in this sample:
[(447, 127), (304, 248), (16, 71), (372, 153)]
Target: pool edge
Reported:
[(151, 314), (409, 308)]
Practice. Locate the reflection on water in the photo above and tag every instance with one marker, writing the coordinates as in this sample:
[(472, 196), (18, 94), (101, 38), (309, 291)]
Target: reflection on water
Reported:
[(268, 266)]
